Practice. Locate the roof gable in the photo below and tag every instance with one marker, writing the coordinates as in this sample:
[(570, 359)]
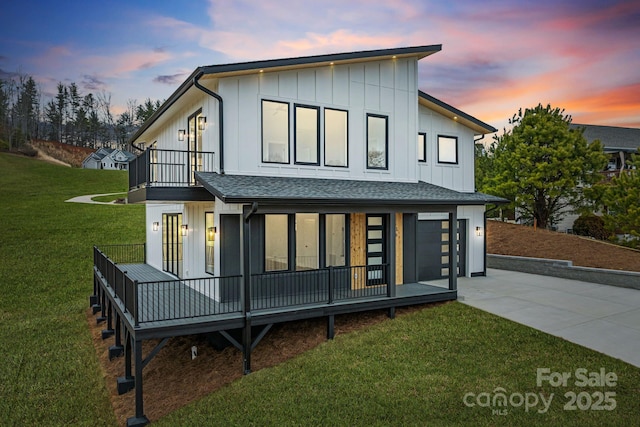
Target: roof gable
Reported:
[(453, 113)]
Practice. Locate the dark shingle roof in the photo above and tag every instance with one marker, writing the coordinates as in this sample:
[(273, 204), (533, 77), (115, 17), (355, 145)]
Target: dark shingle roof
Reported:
[(612, 137), (319, 191)]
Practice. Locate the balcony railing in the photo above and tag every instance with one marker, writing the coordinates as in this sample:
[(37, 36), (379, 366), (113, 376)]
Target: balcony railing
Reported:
[(169, 168), (149, 301)]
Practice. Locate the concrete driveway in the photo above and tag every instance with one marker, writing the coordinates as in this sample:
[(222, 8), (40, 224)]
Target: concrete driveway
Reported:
[(601, 317)]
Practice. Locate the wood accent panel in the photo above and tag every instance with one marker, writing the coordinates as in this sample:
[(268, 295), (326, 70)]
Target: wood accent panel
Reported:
[(358, 248), (399, 251)]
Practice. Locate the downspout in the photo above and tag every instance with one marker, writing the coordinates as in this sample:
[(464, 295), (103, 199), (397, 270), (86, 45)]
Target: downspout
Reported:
[(484, 272), (220, 115)]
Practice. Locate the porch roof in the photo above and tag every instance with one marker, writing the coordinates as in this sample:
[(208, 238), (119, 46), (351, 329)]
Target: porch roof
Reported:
[(320, 191)]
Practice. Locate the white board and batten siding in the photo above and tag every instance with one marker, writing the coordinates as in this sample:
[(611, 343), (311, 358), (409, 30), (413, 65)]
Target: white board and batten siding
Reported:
[(458, 177), (385, 87)]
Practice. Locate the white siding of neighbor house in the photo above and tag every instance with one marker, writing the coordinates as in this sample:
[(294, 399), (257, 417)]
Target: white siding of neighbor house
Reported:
[(475, 244), (458, 177)]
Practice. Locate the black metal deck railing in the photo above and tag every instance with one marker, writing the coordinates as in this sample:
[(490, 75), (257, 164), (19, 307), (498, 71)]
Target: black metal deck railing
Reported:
[(157, 300), (169, 168)]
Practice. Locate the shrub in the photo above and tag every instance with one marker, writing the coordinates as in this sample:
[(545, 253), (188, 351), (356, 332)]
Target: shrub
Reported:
[(592, 226)]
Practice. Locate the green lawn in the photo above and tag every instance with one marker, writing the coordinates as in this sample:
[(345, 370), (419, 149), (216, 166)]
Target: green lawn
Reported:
[(414, 370)]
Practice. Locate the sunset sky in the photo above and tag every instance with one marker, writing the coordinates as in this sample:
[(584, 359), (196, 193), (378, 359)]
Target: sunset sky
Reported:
[(497, 56)]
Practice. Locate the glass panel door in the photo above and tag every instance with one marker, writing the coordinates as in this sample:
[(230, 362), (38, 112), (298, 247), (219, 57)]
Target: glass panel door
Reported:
[(376, 253), (172, 243)]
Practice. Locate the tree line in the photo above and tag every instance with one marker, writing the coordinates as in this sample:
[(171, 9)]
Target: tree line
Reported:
[(70, 116)]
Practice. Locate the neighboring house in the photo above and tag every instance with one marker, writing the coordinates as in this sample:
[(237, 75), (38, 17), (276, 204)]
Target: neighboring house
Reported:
[(618, 143), (108, 158), (288, 189)]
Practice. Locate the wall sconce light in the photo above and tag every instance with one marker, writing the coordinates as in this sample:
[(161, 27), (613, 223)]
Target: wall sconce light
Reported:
[(156, 226), (478, 231), (202, 120), (181, 134), (184, 229), (211, 234)]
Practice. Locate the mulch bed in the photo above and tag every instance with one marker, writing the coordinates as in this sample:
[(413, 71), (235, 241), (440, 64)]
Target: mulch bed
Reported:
[(172, 379)]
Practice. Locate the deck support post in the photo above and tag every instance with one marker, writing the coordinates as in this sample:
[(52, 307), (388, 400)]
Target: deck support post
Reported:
[(106, 333), (246, 345), (453, 250), (126, 383), (140, 419), (245, 290), (330, 327), (103, 304), (117, 349), (392, 313)]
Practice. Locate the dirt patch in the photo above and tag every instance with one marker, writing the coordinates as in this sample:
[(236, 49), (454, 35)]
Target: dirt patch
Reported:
[(65, 153), (519, 240), (172, 379)]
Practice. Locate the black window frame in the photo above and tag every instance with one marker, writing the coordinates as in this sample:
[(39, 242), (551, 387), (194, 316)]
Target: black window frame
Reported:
[(324, 129), (386, 141), (288, 131), (295, 134), (424, 147), (457, 154), (291, 241)]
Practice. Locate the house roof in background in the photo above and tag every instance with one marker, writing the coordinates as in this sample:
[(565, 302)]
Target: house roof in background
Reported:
[(455, 114), (318, 191), (612, 137)]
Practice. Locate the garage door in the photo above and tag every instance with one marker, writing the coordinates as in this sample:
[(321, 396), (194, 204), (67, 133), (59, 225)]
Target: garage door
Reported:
[(432, 249)]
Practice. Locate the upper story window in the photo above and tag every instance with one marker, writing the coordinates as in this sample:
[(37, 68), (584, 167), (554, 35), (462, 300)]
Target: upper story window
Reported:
[(336, 140), (422, 147), (307, 143), (275, 132), (448, 149), (377, 141)]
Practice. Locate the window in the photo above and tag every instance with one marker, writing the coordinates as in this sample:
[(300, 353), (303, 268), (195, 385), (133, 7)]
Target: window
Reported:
[(307, 143), (422, 147), (335, 240), (377, 143), (448, 149), (275, 132), (276, 245), (307, 238), (335, 138), (210, 239)]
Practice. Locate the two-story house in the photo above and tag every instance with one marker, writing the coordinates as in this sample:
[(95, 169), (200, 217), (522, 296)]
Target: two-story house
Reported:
[(292, 188)]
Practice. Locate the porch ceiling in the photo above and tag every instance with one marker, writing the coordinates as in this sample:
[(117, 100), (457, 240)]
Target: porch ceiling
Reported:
[(317, 191)]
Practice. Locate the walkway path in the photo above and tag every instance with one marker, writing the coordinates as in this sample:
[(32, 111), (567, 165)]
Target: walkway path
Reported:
[(87, 199), (601, 317)]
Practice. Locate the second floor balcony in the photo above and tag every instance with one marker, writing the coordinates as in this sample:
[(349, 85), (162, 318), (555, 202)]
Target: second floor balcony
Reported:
[(159, 174)]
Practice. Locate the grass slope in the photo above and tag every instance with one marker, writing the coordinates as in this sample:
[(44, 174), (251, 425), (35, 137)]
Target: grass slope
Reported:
[(414, 370), (48, 372)]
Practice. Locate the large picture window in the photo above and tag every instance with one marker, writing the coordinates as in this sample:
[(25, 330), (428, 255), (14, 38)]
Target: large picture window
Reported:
[(307, 238), (275, 132), (276, 244), (335, 138), (335, 240), (307, 144), (422, 147), (448, 149), (377, 142)]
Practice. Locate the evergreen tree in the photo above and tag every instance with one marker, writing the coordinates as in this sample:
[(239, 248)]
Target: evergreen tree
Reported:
[(542, 165)]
